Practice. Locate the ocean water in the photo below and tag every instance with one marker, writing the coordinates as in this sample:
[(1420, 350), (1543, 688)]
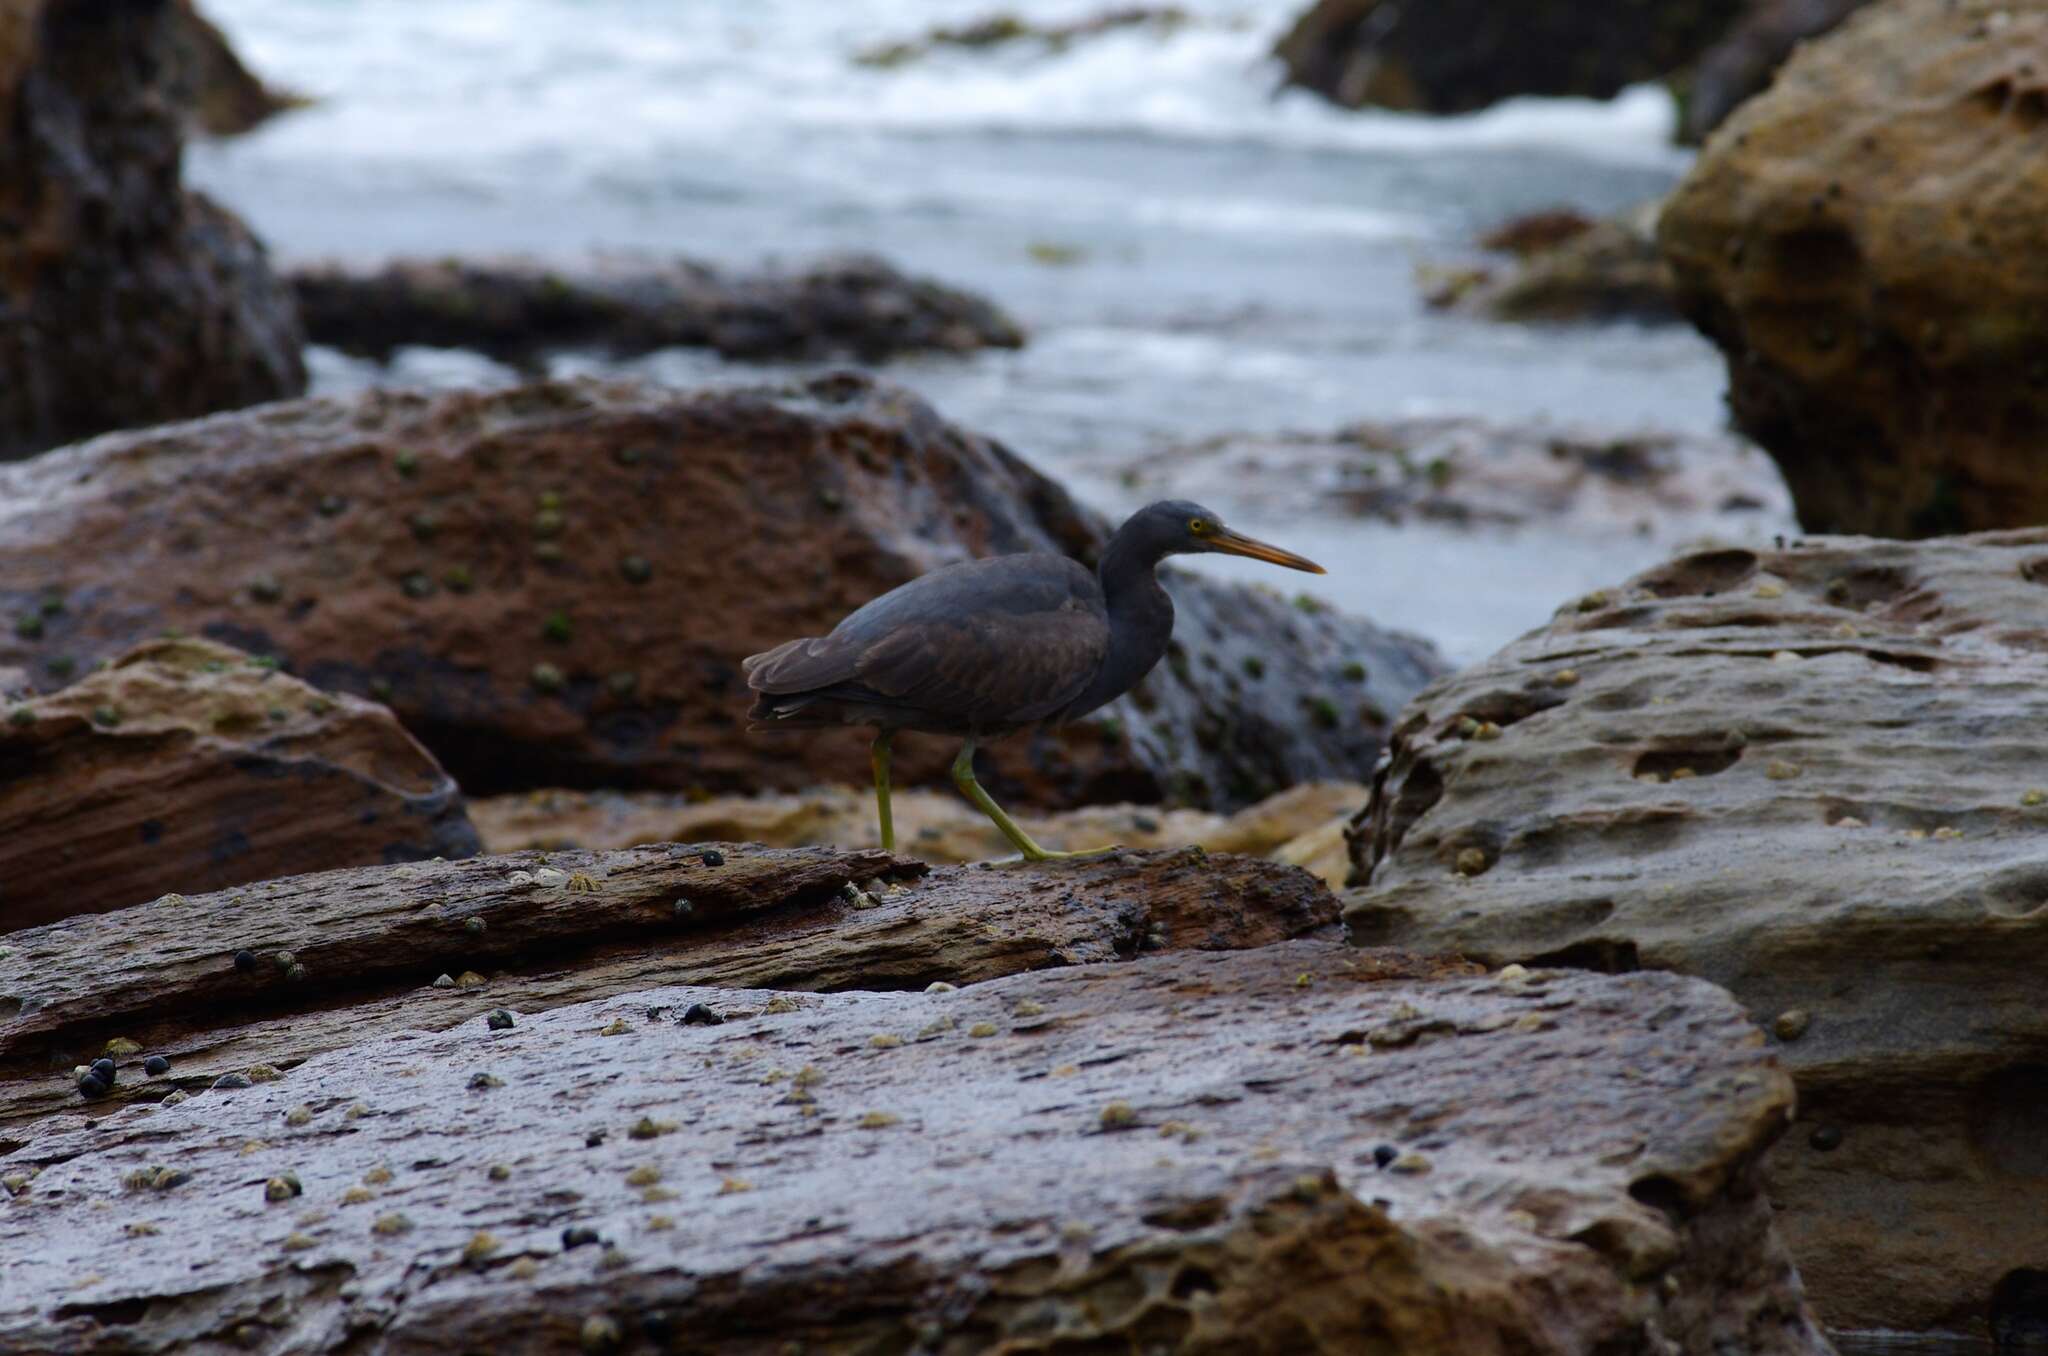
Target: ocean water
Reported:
[(1236, 260)]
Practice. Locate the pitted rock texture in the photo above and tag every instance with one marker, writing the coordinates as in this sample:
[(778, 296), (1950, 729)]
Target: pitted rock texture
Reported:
[(336, 956), (938, 826), (1454, 56), (1743, 63), (555, 584), (186, 766), (1175, 1155), (124, 299), (1810, 775), (858, 306), (1863, 243)]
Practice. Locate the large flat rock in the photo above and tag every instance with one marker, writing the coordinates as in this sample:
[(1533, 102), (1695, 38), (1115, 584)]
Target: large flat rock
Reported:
[(334, 957), (555, 584), (1172, 1155), (1813, 776), (186, 766)]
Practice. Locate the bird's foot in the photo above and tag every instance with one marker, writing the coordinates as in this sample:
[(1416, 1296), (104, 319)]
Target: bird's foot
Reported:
[(1048, 855)]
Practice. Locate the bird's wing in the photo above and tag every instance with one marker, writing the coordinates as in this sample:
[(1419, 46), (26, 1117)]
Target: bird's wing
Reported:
[(1009, 640)]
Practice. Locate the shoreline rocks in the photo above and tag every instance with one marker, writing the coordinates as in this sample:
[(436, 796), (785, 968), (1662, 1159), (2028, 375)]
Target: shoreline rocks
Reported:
[(1746, 59), (1165, 1196), (276, 971), (1861, 242), (1809, 775), (857, 306), (111, 265), (1458, 56), (222, 96), (185, 767), (1608, 271), (1005, 30), (554, 584), (1467, 472)]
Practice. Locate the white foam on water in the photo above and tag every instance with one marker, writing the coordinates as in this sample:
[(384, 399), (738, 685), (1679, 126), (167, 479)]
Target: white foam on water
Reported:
[(516, 82)]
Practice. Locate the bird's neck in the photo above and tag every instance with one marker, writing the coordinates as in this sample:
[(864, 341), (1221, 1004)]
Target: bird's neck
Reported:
[(1140, 622)]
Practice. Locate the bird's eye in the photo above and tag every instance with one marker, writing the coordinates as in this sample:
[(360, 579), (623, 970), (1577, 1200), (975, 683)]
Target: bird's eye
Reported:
[(1199, 527)]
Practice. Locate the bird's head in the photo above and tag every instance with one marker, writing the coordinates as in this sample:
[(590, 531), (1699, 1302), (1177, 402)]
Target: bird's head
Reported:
[(1175, 527)]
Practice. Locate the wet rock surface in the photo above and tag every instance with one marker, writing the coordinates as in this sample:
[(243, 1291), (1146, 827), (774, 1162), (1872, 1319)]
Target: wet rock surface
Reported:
[(1461, 55), (1471, 473), (554, 584), (1862, 243), (270, 974), (1609, 270), (109, 264), (1808, 775), (186, 767), (855, 306), (1175, 1154), (937, 826), (1742, 64)]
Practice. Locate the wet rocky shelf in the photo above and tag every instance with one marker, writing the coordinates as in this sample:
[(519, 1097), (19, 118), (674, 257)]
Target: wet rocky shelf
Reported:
[(1809, 774), (852, 306), (1288, 1149), (272, 973)]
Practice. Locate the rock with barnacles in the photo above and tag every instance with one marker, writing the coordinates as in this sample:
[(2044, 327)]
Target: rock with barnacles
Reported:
[(1801, 773), (1862, 242), (1210, 1188), (182, 792), (496, 636)]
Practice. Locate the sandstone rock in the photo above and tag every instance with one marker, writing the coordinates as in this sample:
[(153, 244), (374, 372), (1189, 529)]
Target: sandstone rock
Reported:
[(1004, 30), (124, 299), (1809, 775), (1609, 271), (533, 931), (221, 96), (1863, 244), (554, 584), (1741, 65), (857, 305), (1469, 472), (1454, 56), (938, 826), (1173, 1155), (185, 767)]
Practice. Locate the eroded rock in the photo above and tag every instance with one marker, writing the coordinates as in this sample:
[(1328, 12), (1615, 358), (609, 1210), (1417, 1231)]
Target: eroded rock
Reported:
[(1610, 270), (554, 584), (1862, 242), (1809, 775), (186, 766), (513, 310), (216, 993), (1455, 56), (124, 299), (1177, 1154)]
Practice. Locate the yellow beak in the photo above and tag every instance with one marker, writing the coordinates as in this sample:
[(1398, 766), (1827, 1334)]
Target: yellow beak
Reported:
[(1237, 544)]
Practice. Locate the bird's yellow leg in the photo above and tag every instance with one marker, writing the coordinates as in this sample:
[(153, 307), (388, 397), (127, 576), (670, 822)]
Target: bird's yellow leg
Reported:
[(963, 777), (878, 752)]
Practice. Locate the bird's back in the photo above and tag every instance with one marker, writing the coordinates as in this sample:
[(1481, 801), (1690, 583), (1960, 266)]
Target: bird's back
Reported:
[(977, 647)]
